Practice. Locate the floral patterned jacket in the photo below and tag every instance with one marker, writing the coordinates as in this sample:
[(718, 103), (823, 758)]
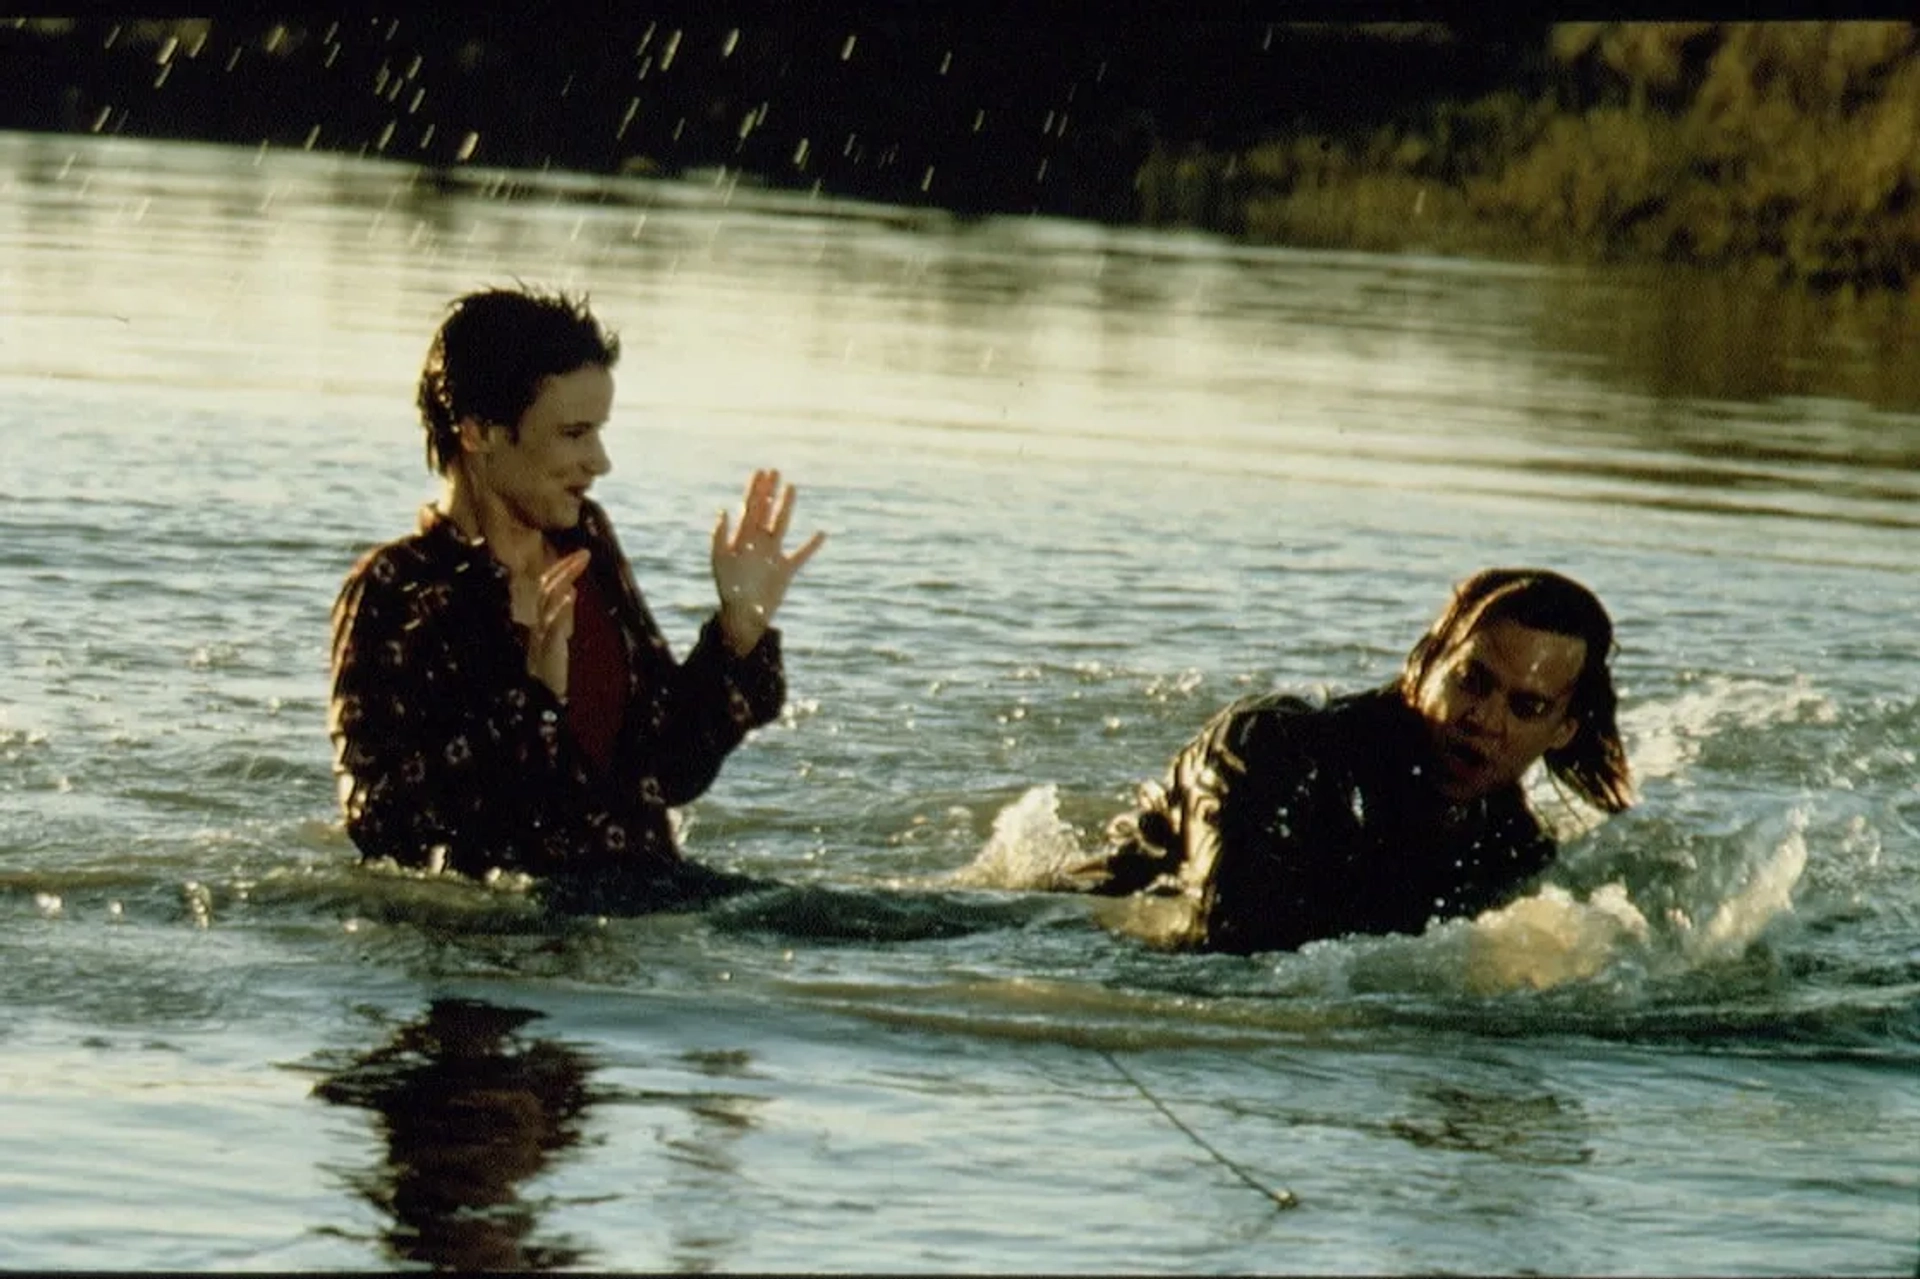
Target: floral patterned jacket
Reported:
[(449, 754)]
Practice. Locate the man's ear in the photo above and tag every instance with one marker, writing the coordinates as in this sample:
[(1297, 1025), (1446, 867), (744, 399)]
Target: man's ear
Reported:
[(1569, 727)]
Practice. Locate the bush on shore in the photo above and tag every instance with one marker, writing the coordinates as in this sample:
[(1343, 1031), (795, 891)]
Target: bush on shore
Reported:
[(1789, 148)]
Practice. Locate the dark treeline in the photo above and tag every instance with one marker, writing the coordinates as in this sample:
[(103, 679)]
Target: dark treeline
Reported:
[(1791, 149), (973, 115)]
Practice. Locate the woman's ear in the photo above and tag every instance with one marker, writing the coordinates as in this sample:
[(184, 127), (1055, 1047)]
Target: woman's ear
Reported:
[(474, 436)]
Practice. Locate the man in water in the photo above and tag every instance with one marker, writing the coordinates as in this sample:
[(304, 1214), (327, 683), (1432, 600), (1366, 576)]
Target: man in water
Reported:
[(502, 698), (1283, 822)]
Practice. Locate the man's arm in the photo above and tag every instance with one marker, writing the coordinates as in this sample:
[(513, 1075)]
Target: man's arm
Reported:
[(1173, 839), (1501, 863), (1231, 829)]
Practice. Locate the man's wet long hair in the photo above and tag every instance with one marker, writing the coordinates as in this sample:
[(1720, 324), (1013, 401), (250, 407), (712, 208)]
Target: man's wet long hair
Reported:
[(491, 354), (1593, 764)]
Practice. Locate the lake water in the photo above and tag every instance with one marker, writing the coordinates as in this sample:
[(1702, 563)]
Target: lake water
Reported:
[(1083, 485)]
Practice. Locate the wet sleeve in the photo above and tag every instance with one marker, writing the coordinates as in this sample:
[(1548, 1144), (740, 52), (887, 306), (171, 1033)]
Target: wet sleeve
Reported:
[(1266, 832), (1172, 836), (699, 710), (1501, 864), (389, 742)]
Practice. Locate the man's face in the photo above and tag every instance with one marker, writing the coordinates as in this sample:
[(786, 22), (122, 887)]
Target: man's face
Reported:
[(1496, 702), (541, 478)]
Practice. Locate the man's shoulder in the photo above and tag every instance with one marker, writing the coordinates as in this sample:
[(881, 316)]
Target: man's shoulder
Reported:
[(1319, 726), (1313, 711)]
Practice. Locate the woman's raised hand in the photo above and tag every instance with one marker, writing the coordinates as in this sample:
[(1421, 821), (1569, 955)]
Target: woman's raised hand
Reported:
[(750, 569)]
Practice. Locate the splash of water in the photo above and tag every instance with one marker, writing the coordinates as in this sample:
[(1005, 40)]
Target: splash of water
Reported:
[(1738, 920), (1551, 938), (1032, 848)]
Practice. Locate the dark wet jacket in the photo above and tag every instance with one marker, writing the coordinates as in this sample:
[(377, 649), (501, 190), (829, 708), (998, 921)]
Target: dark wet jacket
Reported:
[(449, 752), (1282, 823)]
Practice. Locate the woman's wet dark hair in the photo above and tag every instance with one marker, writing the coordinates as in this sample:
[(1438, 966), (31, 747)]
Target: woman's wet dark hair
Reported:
[(1594, 763), (492, 352)]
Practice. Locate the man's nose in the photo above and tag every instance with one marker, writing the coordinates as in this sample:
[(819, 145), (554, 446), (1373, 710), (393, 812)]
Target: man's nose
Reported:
[(1484, 717), (598, 462)]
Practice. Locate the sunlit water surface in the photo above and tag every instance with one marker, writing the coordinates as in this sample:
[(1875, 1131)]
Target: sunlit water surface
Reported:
[(1083, 486)]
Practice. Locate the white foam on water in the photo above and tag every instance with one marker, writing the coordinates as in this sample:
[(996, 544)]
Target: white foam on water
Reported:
[(1663, 737), (1549, 939), (1032, 848), (1739, 919), (1552, 938)]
